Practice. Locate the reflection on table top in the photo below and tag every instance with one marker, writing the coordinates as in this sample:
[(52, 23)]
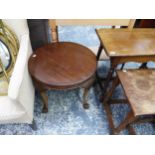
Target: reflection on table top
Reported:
[(125, 42)]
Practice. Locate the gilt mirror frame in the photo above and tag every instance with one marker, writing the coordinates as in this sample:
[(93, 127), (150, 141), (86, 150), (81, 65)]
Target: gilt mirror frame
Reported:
[(10, 41)]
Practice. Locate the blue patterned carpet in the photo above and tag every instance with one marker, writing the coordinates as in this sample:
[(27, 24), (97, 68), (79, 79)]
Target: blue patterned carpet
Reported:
[(66, 115)]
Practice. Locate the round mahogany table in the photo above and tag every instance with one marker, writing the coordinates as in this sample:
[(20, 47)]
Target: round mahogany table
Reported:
[(62, 65)]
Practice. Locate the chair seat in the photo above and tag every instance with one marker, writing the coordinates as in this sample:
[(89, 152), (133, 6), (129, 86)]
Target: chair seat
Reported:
[(3, 86), (10, 110), (139, 88)]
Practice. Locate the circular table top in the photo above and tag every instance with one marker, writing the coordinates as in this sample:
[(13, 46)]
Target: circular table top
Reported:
[(62, 65)]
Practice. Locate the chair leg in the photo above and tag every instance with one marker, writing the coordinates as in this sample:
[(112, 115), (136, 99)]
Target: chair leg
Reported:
[(33, 125), (129, 119)]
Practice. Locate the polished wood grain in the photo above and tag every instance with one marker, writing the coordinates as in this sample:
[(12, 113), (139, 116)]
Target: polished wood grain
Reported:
[(139, 87), (126, 45), (125, 42), (63, 65)]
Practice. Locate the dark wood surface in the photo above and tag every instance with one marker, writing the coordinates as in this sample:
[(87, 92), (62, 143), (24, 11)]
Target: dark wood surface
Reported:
[(62, 65), (139, 87), (146, 23), (125, 42)]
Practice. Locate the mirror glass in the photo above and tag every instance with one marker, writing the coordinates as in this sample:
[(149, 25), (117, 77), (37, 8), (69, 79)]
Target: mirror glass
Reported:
[(4, 55)]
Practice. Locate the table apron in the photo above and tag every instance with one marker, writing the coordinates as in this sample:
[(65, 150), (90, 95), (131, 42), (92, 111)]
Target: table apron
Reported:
[(124, 59)]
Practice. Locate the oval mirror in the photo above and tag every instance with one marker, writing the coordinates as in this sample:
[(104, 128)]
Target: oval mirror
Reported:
[(4, 55)]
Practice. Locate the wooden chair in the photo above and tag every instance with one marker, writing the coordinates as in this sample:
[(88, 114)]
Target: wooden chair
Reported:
[(54, 23), (139, 88)]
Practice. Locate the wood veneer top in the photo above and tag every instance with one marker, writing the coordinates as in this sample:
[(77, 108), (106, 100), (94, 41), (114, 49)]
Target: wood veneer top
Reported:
[(139, 87), (62, 64), (125, 42)]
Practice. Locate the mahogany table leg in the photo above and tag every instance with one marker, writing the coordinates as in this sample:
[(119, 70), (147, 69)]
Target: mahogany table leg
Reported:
[(45, 101), (86, 86), (41, 90), (85, 94)]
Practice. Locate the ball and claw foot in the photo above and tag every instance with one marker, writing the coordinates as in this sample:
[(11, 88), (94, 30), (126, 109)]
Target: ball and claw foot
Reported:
[(86, 106), (44, 110)]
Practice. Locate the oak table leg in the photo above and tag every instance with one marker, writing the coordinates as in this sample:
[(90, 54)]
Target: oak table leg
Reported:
[(106, 83), (129, 119), (131, 130), (107, 106), (99, 52)]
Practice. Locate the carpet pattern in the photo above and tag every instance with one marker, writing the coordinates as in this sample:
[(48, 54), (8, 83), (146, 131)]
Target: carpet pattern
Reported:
[(66, 115)]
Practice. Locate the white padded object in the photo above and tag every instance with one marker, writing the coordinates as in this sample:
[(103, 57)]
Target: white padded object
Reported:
[(11, 110), (18, 106), (19, 68)]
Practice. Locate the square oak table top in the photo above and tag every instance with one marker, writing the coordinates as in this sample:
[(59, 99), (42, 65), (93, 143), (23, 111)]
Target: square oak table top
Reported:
[(125, 42), (139, 87)]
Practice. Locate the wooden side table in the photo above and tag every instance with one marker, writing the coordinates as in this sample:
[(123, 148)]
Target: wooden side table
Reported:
[(62, 65), (124, 45), (139, 88)]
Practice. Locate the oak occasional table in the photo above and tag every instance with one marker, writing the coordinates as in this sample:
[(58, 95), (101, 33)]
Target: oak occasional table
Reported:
[(124, 45), (139, 88), (62, 65)]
